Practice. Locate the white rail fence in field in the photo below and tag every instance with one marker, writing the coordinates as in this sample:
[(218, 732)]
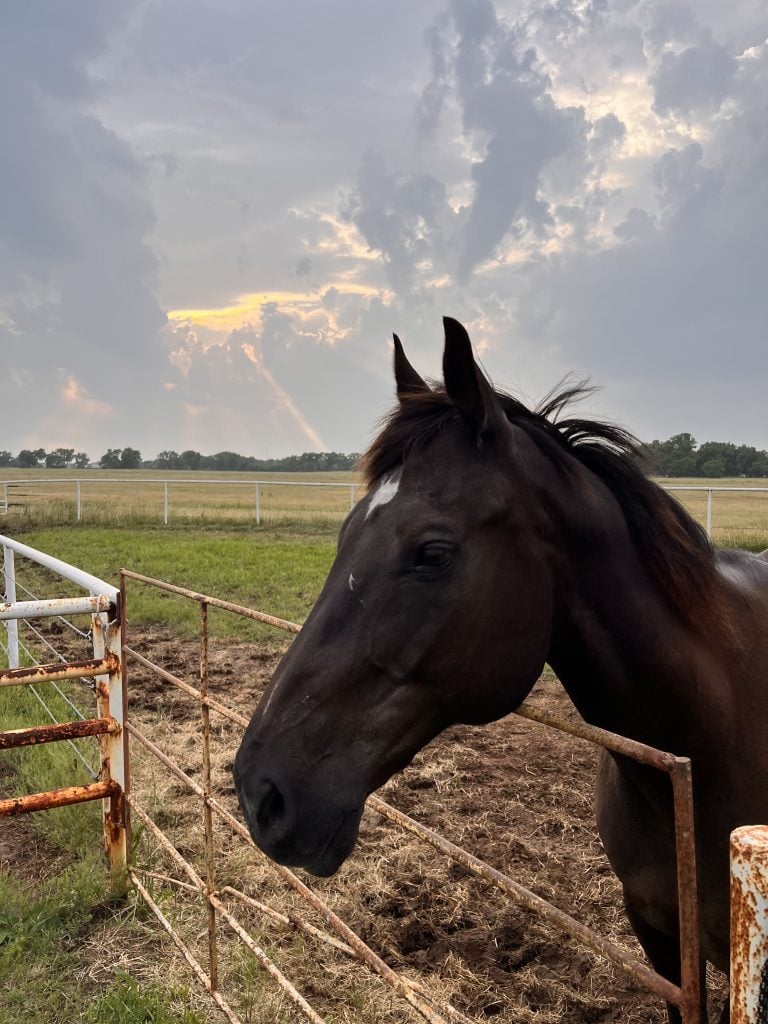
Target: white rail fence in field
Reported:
[(721, 510), (260, 502)]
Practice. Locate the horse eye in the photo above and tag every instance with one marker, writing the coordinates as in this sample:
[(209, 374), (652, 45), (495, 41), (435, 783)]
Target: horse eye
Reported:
[(432, 556)]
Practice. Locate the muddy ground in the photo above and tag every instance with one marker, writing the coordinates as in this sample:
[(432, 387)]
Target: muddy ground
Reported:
[(514, 793)]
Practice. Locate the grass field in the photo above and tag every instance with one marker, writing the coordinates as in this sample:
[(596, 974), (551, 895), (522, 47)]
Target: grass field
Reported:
[(55, 913), (139, 497), (739, 518)]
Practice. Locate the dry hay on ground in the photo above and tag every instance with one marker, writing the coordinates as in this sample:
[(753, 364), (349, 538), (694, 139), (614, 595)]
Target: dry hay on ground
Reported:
[(513, 793)]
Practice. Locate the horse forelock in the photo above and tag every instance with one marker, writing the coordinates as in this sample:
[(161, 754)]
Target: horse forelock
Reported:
[(675, 548)]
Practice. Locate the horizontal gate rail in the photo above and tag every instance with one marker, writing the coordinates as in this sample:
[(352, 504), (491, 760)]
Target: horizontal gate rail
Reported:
[(56, 607), (61, 731), (59, 797), (56, 671)]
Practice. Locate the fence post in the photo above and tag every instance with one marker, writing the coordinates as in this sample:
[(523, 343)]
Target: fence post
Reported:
[(749, 925), (258, 506), (5, 497), (165, 502), (352, 492), (709, 511), (107, 639), (12, 625), (77, 488)]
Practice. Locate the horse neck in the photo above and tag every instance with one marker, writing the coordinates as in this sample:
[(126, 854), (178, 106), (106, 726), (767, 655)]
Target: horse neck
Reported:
[(628, 659)]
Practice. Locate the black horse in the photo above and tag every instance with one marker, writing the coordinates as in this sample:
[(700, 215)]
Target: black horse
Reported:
[(494, 539)]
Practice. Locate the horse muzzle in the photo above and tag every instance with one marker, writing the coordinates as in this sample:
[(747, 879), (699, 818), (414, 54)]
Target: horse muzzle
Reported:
[(297, 830)]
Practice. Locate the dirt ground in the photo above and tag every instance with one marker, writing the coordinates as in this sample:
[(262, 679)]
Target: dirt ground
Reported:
[(514, 793)]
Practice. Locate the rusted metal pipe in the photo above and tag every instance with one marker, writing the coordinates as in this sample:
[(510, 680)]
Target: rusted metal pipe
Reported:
[(169, 677), (55, 606), (214, 602), (59, 797), (205, 721), (62, 731), (202, 888), (749, 925), (222, 1004), (362, 951), (687, 891), (55, 672), (660, 759)]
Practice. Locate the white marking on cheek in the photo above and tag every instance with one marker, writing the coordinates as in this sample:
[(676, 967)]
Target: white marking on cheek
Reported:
[(269, 699), (351, 581), (384, 493)]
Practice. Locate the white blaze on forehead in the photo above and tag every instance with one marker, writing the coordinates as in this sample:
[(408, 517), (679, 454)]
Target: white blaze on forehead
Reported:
[(384, 493)]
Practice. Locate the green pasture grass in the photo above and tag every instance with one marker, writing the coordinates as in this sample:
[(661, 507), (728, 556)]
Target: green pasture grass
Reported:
[(48, 915), (277, 571)]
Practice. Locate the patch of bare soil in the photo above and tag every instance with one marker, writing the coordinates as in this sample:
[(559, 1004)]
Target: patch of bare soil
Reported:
[(514, 793)]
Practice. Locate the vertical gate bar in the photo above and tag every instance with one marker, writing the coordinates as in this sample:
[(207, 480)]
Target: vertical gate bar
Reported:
[(207, 813), (165, 502), (687, 890), (749, 925), (5, 495), (109, 697), (77, 498), (709, 511), (258, 506), (123, 613), (12, 625)]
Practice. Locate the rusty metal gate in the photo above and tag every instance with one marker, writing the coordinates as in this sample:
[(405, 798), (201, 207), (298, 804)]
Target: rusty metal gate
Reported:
[(104, 672), (686, 995), (106, 606)]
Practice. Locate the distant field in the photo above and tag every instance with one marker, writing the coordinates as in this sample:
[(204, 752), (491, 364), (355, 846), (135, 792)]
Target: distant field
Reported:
[(138, 497), (739, 518)]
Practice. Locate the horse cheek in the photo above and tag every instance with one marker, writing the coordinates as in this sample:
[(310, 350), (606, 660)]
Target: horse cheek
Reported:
[(402, 635)]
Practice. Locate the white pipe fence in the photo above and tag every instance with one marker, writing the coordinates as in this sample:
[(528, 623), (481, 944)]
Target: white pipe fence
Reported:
[(715, 515), (259, 487)]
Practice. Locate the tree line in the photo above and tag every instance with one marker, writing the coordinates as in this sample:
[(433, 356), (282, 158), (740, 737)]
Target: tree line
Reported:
[(680, 455), (130, 458)]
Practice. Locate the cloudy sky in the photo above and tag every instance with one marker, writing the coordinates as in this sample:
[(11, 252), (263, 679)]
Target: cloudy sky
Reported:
[(214, 213)]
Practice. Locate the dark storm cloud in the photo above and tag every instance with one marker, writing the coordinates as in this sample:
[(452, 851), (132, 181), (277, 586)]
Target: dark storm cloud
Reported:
[(75, 272)]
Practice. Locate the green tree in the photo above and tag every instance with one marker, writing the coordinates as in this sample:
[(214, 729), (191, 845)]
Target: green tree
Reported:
[(167, 460), (81, 459), (130, 458), (59, 458), (111, 459), (27, 459), (6, 458)]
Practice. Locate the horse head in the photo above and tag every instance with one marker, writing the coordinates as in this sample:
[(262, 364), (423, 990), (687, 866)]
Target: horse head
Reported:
[(437, 611)]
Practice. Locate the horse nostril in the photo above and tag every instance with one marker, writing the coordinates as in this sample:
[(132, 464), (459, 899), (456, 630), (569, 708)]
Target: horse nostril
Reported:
[(271, 806)]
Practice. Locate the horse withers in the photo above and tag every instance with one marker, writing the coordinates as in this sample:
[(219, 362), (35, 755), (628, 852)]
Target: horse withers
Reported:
[(495, 538)]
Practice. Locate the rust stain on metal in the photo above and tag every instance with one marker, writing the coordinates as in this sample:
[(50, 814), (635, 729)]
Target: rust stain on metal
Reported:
[(61, 731), (57, 671), (687, 890), (58, 798), (749, 921)]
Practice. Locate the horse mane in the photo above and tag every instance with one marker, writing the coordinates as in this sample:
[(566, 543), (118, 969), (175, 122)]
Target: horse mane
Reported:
[(676, 550)]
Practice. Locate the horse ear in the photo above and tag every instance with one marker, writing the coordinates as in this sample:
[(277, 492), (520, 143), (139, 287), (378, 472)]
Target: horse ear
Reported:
[(465, 383), (407, 380)]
